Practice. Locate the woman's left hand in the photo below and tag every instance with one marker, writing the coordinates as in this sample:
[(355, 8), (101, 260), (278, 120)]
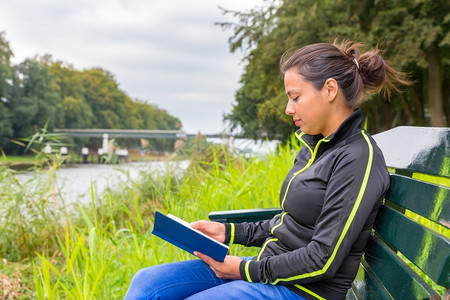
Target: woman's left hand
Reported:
[(228, 269)]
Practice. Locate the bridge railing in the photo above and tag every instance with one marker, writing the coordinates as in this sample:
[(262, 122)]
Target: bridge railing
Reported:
[(132, 133)]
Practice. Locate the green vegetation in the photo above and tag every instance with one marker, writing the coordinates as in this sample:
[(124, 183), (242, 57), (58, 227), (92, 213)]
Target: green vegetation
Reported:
[(15, 159), (413, 35), (52, 251), (92, 252), (41, 91)]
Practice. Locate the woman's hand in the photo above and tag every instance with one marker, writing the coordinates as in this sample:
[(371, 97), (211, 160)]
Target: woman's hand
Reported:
[(214, 230), (228, 269)]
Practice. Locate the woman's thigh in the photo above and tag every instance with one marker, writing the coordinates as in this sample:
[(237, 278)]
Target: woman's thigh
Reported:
[(244, 290), (172, 281)]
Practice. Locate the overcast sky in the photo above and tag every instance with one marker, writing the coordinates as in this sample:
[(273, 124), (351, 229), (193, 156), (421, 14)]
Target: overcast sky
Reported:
[(168, 53)]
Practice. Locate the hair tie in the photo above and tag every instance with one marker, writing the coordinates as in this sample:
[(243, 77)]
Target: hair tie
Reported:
[(356, 62)]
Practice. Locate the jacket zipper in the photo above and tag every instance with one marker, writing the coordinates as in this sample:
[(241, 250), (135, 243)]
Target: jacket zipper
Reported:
[(310, 162)]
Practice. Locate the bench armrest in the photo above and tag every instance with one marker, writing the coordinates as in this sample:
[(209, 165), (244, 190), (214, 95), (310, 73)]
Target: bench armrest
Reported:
[(244, 215)]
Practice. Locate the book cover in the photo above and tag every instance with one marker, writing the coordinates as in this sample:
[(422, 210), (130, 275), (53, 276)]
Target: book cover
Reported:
[(179, 233)]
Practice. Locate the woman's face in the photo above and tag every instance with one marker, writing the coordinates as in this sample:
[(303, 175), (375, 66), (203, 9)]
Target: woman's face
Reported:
[(309, 107)]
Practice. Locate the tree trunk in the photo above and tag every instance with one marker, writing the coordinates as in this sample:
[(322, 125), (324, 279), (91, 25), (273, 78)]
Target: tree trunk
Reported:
[(435, 88), (406, 108), (447, 100), (418, 101)]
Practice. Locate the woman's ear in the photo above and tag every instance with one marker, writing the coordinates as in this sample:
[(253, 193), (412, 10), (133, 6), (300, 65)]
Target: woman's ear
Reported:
[(331, 89)]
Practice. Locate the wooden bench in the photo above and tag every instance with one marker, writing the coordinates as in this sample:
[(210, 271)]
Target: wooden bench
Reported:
[(411, 235)]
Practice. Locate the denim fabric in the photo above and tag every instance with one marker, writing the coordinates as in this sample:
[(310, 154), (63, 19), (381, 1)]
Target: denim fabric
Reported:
[(194, 280)]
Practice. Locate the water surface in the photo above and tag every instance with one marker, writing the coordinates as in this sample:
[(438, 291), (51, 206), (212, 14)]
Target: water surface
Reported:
[(74, 182)]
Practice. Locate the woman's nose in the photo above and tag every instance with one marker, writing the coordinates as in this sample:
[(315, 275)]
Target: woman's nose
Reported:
[(289, 108)]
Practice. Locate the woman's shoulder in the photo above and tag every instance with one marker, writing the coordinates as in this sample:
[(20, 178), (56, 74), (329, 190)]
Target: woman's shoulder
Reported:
[(361, 146)]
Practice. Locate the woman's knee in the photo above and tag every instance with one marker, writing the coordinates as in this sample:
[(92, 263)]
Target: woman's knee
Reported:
[(140, 286), (142, 275)]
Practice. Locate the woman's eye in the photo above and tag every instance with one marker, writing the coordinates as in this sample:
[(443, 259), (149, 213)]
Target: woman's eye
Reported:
[(295, 99)]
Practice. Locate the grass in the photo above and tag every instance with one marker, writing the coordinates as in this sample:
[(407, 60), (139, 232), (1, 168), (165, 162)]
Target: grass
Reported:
[(93, 251), (18, 159)]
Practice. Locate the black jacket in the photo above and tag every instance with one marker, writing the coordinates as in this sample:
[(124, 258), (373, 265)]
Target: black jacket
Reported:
[(330, 199)]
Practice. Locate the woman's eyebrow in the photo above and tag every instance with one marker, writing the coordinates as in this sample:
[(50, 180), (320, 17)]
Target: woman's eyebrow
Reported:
[(289, 93)]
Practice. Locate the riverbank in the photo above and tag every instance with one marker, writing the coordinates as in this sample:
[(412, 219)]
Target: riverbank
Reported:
[(94, 252), (19, 163), (22, 163)]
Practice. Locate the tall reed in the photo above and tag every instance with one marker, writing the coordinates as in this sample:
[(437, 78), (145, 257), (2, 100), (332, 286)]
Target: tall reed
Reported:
[(32, 212), (113, 239)]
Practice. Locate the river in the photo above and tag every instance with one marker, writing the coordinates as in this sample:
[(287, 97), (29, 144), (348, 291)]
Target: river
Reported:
[(74, 182)]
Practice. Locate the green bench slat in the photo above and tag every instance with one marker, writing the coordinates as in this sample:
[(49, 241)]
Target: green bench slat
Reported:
[(366, 285), (244, 215), (426, 199), (425, 248), (417, 149), (398, 278)]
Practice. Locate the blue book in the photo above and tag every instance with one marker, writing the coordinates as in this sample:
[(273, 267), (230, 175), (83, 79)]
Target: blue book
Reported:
[(179, 233)]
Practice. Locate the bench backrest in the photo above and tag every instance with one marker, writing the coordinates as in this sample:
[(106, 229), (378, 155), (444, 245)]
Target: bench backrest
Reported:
[(412, 226), (414, 222)]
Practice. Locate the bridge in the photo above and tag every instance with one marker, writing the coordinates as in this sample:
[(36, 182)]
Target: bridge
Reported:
[(107, 134), (132, 133)]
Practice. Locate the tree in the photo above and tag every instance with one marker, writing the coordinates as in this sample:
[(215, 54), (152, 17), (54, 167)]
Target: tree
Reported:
[(77, 112), (41, 92), (413, 35), (418, 38), (34, 99), (101, 91), (6, 53)]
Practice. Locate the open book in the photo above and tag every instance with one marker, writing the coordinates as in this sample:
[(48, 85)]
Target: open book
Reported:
[(179, 233)]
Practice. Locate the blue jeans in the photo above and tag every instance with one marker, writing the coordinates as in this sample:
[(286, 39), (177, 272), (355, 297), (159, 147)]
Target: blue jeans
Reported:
[(194, 279)]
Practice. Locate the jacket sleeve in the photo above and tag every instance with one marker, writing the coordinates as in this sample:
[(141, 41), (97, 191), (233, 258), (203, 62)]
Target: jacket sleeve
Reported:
[(356, 187), (247, 234)]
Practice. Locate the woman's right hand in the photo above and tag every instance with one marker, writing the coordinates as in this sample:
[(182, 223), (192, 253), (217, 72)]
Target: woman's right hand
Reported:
[(214, 230)]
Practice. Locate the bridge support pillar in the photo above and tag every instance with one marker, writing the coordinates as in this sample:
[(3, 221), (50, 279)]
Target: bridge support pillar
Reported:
[(105, 143)]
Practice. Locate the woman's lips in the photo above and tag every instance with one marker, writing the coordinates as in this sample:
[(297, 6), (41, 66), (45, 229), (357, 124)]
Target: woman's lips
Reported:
[(297, 122)]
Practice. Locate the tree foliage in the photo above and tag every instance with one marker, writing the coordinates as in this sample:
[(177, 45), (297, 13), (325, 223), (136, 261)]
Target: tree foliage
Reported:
[(41, 91), (413, 36), (5, 77)]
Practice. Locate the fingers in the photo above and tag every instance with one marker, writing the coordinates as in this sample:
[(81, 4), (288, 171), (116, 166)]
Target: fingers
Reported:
[(229, 269), (208, 260), (205, 258), (199, 225), (212, 229)]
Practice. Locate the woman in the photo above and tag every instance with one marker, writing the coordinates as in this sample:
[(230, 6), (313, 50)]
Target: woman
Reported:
[(329, 198)]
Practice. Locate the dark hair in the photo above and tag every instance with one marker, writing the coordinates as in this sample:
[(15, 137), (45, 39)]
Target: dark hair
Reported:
[(355, 73)]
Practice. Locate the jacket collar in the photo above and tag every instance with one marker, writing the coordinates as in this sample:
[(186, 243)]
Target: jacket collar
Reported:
[(346, 129)]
